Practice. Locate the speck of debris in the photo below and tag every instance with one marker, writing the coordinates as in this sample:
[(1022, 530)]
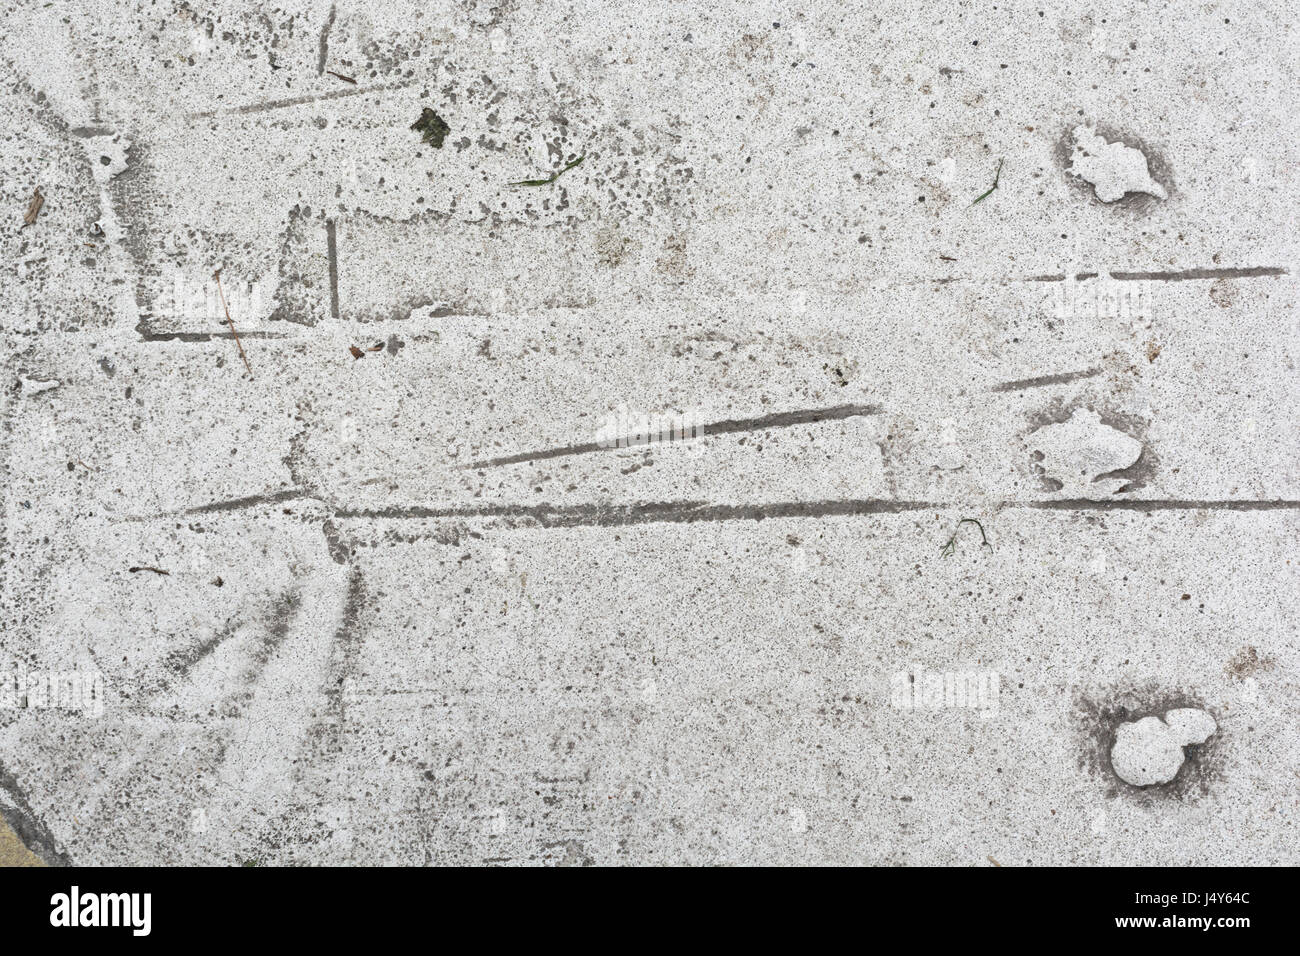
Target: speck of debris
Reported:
[(1247, 662), (34, 207)]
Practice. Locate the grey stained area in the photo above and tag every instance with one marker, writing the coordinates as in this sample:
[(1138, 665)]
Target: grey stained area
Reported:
[(340, 340)]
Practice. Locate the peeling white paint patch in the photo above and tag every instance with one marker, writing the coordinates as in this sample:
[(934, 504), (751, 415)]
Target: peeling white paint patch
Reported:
[(1078, 451), (34, 386), (1150, 751), (1113, 168), (948, 454), (108, 156)]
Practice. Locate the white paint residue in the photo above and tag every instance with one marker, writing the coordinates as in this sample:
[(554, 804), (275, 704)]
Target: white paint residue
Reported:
[(1113, 168), (1079, 451), (1150, 751)]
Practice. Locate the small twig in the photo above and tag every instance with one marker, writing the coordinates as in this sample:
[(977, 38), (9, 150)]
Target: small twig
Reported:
[(345, 79), (996, 177), (34, 207), (217, 275), (147, 568), (951, 546), (550, 179)]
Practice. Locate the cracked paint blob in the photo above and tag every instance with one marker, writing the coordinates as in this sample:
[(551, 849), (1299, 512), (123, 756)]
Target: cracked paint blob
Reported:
[(1150, 751), (108, 155), (1081, 452), (1113, 168), (31, 385)]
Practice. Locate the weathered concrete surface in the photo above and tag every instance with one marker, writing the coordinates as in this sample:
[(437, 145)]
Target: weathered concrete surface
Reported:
[(414, 612)]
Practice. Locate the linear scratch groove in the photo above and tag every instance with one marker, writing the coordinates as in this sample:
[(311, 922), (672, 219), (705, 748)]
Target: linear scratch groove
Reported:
[(1041, 380), (1250, 272), (149, 334), (231, 504), (689, 512), (651, 512), (1157, 504), (323, 52), (298, 100), (807, 416), (332, 249)]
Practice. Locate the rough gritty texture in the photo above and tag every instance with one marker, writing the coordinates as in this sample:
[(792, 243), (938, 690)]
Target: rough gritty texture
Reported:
[(566, 653)]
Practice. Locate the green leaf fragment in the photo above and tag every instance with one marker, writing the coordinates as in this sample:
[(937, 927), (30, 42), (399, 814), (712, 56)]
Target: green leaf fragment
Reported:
[(985, 195), (950, 547), (550, 179), (433, 127)]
